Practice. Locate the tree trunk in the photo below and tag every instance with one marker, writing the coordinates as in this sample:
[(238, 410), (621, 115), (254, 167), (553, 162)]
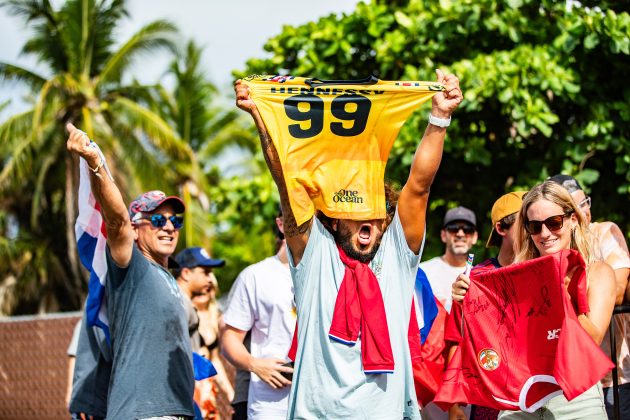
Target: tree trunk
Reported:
[(71, 216)]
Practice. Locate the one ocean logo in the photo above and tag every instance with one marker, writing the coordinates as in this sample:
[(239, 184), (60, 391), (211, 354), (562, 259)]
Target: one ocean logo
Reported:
[(347, 196)]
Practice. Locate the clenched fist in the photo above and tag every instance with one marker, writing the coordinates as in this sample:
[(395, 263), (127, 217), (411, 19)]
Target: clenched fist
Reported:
[(79, 143)]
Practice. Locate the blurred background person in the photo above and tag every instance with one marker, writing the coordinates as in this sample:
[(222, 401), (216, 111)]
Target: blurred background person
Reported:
[(207, 390), (262, 303), (459, 234)]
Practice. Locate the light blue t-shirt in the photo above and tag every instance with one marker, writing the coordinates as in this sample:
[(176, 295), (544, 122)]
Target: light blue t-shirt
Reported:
[(328, 380)]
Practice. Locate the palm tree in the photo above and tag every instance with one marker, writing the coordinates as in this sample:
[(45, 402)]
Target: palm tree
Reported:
[(38, 178), (209, 127)]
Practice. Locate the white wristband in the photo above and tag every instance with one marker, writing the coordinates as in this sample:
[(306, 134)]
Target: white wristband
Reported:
[(439, 122)]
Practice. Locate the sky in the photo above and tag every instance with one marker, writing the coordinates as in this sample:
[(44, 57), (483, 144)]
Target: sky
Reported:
[(231, 31)]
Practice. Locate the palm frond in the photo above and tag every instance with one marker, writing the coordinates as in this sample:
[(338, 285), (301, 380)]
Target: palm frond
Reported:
[(44, 167), (159, 133), (43, 101), (155, 35), (45, 26), (13, 72), (15, 146)]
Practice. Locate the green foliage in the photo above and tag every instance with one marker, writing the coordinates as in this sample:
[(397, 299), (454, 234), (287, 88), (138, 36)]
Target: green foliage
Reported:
[(544, 86), (244, 211), (153, 138), (38, 177), (209, 129)]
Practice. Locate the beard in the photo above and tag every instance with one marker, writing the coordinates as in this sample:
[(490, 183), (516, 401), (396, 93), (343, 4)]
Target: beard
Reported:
[(459, 248), (343, 237)]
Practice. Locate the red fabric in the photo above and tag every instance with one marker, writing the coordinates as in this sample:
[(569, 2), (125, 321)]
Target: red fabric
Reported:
[(427, 360), (519, 323), (359, 308), (453, 329), (360, 290), (293, 349)]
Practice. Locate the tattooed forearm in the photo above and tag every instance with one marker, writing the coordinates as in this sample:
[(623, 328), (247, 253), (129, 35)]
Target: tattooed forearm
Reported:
[(273, 162)]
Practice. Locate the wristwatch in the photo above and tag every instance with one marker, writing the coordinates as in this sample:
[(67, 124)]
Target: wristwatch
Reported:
[(439, 122)]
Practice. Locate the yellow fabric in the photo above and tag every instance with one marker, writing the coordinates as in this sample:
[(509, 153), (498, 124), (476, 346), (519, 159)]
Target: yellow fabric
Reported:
[(333, 140)]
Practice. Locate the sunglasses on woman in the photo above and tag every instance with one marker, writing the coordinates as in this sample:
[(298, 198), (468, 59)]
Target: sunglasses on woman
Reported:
[(553, 223), (159, 220)]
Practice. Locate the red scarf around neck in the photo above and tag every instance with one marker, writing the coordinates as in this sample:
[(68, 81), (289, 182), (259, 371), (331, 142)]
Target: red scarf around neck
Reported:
[(359, 308)]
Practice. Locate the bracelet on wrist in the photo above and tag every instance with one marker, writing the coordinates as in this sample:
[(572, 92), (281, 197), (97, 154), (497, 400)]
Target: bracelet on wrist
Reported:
[(439, 122), (98, 167)]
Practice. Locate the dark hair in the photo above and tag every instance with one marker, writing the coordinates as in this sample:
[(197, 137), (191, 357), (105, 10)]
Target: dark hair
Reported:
[(176, 272), (506, 222), (279, 235)]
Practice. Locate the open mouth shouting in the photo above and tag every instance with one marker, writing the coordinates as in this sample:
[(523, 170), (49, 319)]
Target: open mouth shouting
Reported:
[(365, 234)]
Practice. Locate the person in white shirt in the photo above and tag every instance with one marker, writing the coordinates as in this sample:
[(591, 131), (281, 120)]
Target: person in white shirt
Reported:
[(262, 301)]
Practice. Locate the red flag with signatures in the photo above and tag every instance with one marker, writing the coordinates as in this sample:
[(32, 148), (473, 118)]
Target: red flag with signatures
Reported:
[(521, 339)]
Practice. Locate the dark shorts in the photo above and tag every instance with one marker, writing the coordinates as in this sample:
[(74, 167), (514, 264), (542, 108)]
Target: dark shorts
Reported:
[(240, 411), (624, 401)]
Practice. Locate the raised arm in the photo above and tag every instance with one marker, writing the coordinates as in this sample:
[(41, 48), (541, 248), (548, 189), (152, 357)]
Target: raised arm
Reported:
[(119, 231), (296, 236), (412, 204)]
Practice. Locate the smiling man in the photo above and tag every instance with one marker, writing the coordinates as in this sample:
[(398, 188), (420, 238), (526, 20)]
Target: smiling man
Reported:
[(152, 375), (459, 234), (354, 276)]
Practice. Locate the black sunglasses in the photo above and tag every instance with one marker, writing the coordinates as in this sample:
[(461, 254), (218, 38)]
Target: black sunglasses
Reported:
[(159, 220), (553, 223), (468, 230)]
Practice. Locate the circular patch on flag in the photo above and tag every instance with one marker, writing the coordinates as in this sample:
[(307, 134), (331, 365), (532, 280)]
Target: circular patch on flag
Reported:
[(488, 359)]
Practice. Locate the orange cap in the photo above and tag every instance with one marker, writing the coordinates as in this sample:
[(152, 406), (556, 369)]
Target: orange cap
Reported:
[(507, 204)]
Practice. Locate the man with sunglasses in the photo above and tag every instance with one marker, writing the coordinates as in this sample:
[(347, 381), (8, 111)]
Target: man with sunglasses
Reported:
[(152, 374), (459, 234), (610, 245)]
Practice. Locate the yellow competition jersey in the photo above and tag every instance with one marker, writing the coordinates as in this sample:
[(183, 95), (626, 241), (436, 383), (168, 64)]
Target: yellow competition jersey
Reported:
[(334, 138)]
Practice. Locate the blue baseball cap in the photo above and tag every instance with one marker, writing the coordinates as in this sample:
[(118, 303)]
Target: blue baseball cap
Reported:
[(196, 257)]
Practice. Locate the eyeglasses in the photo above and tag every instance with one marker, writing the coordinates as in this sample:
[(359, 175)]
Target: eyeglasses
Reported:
[(553, 223), (585, 203), (159, 220), (468, 230)]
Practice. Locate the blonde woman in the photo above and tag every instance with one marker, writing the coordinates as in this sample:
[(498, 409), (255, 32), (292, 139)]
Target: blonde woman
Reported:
[(209, 315), (548, 222)]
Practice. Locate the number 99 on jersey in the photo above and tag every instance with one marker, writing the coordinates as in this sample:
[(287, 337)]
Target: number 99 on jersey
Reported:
[(352, 109)]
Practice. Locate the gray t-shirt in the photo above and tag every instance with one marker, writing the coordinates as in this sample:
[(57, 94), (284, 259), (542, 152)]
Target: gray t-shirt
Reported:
[(193, 323), (152, 373), (92, 370)]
